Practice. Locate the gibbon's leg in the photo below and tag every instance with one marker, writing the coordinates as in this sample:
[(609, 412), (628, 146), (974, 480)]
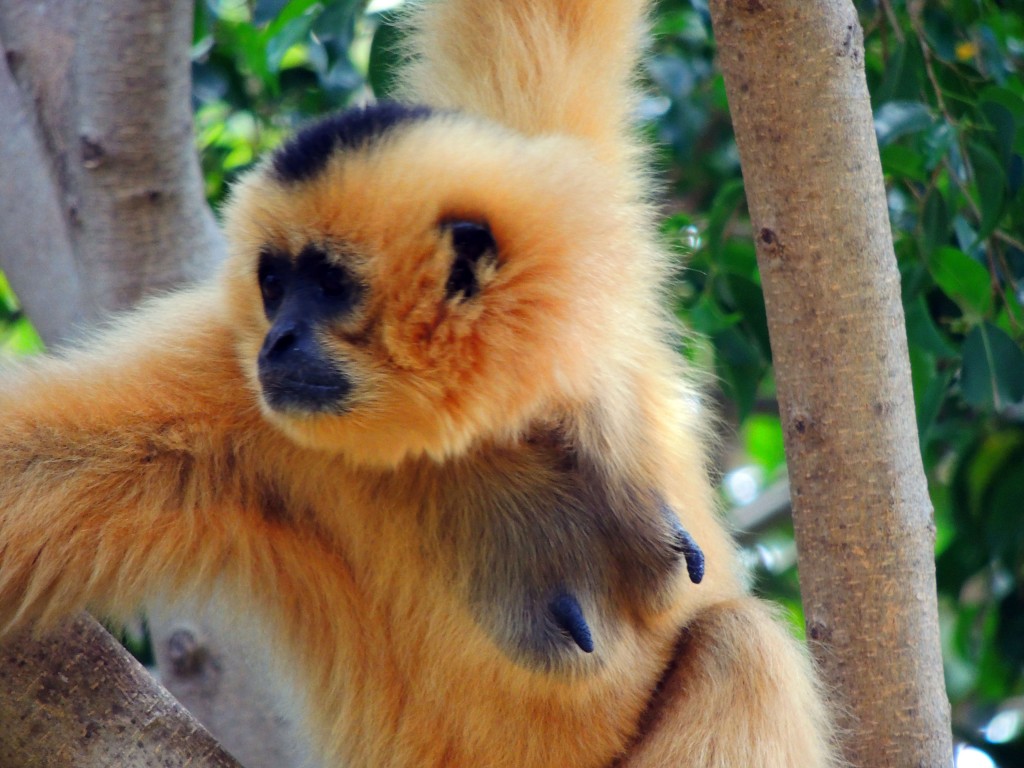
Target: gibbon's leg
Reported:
[(739, 694), (538, 66), (122, 474)]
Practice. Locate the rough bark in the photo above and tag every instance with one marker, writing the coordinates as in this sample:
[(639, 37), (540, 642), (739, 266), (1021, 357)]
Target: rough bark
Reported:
[(36, 251), (79, 699), (102, 205), (795, 79), (139, 218)]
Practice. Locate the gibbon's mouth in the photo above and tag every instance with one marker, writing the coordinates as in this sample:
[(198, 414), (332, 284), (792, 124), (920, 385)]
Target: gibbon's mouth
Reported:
[(313, 393)]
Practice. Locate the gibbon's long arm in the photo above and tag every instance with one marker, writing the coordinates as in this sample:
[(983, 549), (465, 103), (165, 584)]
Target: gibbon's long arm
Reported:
[(538, 67), (127, 472)]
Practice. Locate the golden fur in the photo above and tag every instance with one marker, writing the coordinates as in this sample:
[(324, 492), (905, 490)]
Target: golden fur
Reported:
[(492, 449)]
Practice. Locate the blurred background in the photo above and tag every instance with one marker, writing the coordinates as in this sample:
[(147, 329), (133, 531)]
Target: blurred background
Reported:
[(948, 98)]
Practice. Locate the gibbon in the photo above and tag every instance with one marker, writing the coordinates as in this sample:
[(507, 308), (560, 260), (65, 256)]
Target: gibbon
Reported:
[(429, 426)]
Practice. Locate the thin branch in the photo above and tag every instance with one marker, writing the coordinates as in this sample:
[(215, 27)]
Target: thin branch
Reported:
[(893, 21)]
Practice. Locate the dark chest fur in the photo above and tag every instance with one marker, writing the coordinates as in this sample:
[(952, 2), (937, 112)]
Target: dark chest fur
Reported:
[(554, 558)]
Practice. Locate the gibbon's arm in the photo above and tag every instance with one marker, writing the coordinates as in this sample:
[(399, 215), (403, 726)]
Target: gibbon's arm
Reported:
[(538, 66), (120, 470)]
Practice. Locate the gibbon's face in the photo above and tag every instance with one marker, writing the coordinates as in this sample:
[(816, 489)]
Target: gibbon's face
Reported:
[(404, 282)]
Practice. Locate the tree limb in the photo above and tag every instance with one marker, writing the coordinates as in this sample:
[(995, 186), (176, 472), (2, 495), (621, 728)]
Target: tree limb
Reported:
[(36, 253), (794, 74), (78, 698), (141, 223)]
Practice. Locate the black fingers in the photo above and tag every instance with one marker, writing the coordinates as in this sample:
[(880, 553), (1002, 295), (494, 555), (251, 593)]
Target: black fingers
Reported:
[(568, 615), (684, 544)]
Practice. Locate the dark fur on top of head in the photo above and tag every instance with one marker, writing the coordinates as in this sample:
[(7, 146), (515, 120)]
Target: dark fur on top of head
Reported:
[(305, 154)]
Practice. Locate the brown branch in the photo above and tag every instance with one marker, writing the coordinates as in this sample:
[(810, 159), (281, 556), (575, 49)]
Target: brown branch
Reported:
[(78, 699), (893, 21)]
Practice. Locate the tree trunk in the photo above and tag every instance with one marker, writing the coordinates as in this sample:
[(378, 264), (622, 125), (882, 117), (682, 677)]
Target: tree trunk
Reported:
[(64, 703), (101, 205), (795, 79)]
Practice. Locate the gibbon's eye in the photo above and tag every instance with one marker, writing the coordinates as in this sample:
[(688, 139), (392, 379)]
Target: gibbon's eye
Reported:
[(332, 286), (271, 279), (471, 241), (336, 283)]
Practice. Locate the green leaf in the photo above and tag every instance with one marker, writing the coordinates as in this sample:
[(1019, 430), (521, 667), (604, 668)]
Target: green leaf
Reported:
[(738, 256), (21, 338), (707, 317), (922, 333), (723, 207), (762, 439), (930, 402), (1004, 130), (902, 163), (941, 32), (741, 367), (937, 143), (385, 56), (1003, 504), (1011, 620), (962, 279), (291, 33), (967, 237), (990, 182), (1014, 102), (899, 118), (935, 223), (993, 369), (265, 11), (904, 73), (291, 11), (744, 295)]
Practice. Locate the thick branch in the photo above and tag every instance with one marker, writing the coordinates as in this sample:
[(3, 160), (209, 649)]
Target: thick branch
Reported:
[(795, 78), (36, 252), (142, 224), (81, 700)]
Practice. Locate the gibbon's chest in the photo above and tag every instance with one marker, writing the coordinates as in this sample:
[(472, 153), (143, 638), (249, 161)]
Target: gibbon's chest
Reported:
[(506, 603)]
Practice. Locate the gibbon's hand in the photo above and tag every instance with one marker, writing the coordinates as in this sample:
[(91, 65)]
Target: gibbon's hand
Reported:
[(687, 547), (683, 544)]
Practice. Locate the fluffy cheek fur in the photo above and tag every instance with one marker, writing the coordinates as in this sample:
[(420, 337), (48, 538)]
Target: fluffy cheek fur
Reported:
[(434, 373)]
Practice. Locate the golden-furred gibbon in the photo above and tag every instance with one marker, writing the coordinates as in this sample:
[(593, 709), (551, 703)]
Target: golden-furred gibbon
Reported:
[(430, 426)]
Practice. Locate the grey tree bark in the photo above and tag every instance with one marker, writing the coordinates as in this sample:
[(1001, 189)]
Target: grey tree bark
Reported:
[(794, 75), (101, 204)]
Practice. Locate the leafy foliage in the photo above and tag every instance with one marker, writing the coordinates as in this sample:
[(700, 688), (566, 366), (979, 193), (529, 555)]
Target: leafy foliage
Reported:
[(17, 336)]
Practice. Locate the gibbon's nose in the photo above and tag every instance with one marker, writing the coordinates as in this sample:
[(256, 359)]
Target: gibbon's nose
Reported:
[(280, 339), (297, 374)]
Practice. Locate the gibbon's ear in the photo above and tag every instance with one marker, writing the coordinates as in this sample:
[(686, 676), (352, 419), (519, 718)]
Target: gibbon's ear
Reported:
[(472, 244)]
